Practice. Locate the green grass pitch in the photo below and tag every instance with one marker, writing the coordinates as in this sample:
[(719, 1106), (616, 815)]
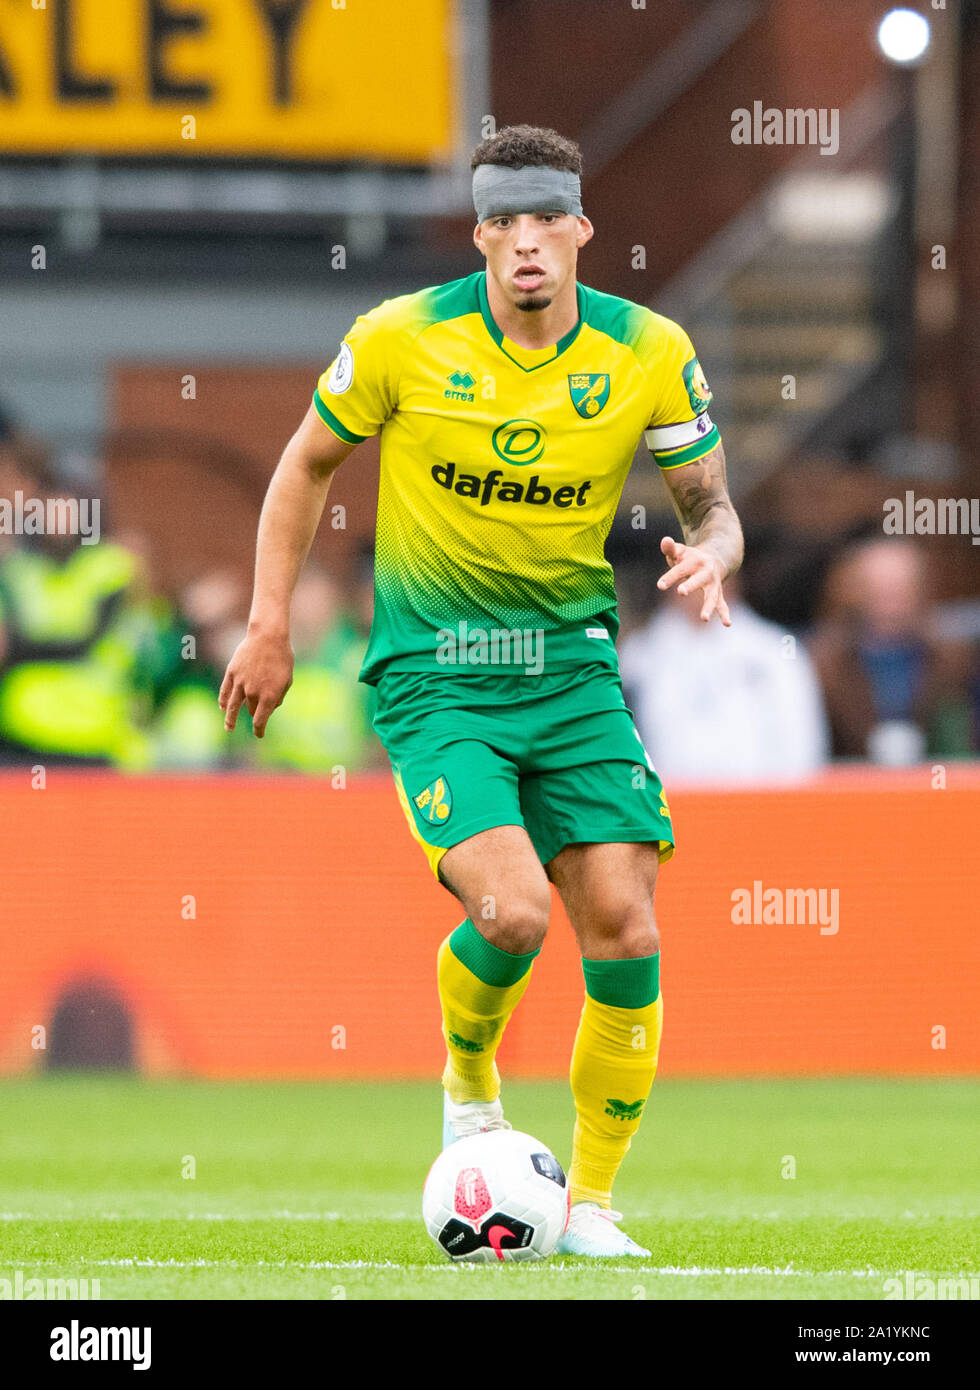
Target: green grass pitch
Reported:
[(313, 1191)]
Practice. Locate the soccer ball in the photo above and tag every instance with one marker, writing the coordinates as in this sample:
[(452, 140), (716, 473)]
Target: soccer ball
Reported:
[(496, 1196)]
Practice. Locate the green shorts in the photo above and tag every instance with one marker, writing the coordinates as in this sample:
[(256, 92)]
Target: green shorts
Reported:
[(558, 754)]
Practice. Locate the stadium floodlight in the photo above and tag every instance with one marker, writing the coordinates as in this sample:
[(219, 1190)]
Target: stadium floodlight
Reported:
[(903, 36)]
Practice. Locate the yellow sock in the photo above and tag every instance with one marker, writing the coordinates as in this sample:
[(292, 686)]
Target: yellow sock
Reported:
[(614, 1062), (480, 986)]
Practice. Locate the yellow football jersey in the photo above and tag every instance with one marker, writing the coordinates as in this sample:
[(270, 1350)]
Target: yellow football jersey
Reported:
[(502, 466)]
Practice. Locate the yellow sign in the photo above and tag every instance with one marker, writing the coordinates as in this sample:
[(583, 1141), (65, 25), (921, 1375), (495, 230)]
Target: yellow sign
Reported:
[(299, 79)]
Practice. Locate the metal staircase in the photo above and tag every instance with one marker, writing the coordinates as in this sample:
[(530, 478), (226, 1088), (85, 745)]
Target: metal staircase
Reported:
[(787, 340), (783, 305)]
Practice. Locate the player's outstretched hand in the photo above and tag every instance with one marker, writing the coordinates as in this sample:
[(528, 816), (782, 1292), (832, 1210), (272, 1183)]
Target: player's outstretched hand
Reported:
[(691, 569), (258, 676)]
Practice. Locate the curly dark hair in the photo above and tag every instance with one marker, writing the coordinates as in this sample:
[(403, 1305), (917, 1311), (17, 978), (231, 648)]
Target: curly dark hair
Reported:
[(517, 145)]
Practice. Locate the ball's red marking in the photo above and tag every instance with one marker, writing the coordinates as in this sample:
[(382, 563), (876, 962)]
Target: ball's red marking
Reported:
[(495, 1235), (471, 1200)]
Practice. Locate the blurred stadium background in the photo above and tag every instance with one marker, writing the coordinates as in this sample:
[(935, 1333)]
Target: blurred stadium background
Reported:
[(197, 197)]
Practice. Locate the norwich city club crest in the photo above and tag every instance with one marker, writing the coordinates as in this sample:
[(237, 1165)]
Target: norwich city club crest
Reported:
[(589, 392), (436, 801)]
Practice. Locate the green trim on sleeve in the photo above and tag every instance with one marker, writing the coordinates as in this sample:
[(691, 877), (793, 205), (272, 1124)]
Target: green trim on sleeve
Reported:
[(332, 423), (690, 453)]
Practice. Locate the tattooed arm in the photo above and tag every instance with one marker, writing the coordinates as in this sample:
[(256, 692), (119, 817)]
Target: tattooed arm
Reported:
[(712, 548)]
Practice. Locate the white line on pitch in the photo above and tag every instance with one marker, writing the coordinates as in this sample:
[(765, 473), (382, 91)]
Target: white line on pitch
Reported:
[(695, 1271), (209, 1216)]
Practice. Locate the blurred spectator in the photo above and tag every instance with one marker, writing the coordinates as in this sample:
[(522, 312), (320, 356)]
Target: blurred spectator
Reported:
[(23, 468), (65, 696), (148, 630), (716, 704), (958, 623), (188, 731), (323, 723), (895, 690)]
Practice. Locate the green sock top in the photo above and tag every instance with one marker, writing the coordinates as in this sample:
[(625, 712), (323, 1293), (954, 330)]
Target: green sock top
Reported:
[(488, 962), (624, 984)]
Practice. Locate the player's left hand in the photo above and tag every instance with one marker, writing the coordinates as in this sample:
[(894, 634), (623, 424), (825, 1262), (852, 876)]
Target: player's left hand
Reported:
[(691, 569)]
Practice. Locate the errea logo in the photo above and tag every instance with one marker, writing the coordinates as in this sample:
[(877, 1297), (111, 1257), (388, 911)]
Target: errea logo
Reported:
[(463, 383), (625, 1109)]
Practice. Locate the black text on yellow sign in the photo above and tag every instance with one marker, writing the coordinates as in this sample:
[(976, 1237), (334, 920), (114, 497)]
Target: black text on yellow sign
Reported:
[(301, 79)]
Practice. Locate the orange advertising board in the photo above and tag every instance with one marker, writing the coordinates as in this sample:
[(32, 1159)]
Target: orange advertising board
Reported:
[(281, 927)]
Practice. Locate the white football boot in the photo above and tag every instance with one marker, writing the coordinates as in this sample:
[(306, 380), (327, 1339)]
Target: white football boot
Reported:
[(459, 1121), (592, 1230)]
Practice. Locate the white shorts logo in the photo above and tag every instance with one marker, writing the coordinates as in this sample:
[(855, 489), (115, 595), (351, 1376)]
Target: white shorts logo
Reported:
[(343, 371)]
